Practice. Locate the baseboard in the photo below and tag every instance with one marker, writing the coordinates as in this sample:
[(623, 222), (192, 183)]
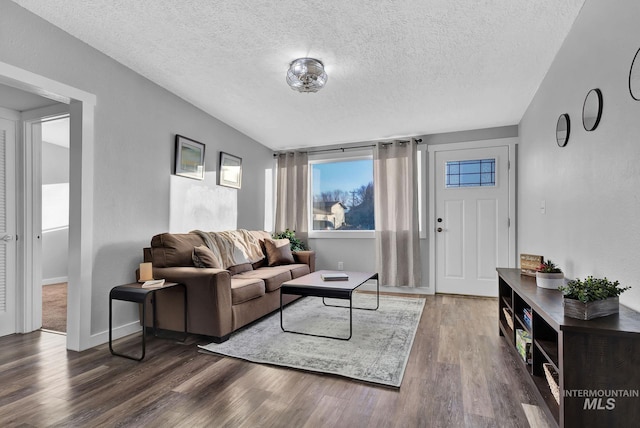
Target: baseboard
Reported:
[(58, 280), (371, 286), (118, 332)]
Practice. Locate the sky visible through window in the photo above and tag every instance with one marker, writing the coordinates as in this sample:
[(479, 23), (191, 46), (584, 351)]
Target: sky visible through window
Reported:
[(347, 175)]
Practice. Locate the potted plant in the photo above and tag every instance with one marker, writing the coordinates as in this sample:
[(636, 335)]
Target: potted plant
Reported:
[(549, 275), (591, 298), (296, 244)]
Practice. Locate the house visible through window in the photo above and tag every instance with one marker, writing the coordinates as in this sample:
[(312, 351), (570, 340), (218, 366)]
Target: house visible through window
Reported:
[(342, 194)]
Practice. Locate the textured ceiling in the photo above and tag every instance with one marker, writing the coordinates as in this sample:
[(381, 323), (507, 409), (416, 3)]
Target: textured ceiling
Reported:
[(396, 68)]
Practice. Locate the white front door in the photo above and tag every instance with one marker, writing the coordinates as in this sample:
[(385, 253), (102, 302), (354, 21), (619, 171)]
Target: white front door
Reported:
[(471, 219), (7, 227)]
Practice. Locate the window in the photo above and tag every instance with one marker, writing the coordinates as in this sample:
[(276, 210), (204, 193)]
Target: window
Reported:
[(471, 173), (342, 194)]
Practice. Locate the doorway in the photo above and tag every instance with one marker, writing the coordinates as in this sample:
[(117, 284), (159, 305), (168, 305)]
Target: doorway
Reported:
[(473, 229), (54, 150), (81, 107)]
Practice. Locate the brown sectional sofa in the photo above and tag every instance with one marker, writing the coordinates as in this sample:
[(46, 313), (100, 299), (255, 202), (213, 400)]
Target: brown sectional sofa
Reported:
[(219, 301)]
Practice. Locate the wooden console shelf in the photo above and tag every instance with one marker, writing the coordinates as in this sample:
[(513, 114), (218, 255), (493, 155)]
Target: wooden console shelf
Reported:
[(597, 361)]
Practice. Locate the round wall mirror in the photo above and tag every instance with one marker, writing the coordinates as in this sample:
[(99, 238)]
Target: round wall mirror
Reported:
[(563, 129), (634, 77), (592, 109)]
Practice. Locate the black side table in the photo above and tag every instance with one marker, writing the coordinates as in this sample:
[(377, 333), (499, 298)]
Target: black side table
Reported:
[(135, 293)]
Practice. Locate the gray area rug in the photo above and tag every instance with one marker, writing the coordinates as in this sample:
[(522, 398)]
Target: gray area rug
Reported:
[(377, 352)]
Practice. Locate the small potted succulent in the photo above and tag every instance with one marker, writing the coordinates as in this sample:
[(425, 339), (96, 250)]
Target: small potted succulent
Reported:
[(549, 276), (591, 297)]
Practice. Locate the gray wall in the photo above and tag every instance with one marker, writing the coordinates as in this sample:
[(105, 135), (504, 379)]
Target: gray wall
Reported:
[(135, 125), (590, 186)]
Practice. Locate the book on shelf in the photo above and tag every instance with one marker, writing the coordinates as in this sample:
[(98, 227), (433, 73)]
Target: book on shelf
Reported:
[(153, 283), (334, 276), (526, 314)]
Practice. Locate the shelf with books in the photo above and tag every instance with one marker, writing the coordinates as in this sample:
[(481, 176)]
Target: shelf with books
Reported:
[(572, 355)]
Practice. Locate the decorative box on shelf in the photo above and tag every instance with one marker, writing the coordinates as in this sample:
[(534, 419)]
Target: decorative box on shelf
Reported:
[(586, 311), (552, 380), (508, 317)]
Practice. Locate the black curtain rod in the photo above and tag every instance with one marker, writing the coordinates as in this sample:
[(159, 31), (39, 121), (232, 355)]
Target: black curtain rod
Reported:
[(342, 149)]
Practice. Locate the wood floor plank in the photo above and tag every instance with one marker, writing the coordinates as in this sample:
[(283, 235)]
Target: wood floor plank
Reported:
[(459, 374)]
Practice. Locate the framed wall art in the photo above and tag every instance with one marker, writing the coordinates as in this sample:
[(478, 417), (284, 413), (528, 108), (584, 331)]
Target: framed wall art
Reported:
[(230, 172), (189, 158)]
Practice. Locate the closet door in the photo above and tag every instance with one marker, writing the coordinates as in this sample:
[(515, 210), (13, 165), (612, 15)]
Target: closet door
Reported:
[(7, 227)]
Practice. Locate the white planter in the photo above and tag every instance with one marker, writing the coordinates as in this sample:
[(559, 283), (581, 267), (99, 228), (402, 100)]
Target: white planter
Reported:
[(549, 280)]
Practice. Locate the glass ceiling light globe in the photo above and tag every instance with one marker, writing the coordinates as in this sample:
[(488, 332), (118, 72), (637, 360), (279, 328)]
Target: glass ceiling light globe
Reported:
[(306, 75)]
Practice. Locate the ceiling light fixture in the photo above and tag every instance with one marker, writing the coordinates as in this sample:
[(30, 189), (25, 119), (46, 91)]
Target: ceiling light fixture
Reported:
[(306, 75)]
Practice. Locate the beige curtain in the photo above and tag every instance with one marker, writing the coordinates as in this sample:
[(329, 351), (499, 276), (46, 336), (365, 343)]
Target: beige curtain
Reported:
[(291, 194), (396, 213)]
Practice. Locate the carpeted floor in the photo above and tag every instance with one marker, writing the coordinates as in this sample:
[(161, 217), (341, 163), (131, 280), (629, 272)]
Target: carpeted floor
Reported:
[(54, 307), (376, 353)]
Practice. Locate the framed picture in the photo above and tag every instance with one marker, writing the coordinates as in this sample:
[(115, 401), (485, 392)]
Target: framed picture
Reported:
[(230, 173), (189, 158)]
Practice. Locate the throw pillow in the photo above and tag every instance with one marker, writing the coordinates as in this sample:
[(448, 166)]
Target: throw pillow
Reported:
[(203, 257), (278, 252)]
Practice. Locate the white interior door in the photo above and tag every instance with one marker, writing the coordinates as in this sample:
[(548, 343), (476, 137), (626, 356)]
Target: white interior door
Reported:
[(471, 219), (7, 227)]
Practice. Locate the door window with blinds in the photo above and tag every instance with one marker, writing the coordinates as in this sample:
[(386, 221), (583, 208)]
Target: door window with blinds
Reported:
[(470, 173)]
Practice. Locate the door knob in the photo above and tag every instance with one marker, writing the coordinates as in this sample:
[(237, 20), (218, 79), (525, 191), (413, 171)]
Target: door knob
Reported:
[(7, 238), (439, 229), (439, 220)]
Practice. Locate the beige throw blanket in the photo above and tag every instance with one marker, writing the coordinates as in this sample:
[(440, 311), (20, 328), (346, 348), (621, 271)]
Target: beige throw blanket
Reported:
[(232, 247)]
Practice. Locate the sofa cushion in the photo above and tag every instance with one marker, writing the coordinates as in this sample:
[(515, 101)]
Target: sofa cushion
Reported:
[(245, 289), (273, 277), (203, 257), (298, 269), (244, 267), (174, 249), (278, 252)]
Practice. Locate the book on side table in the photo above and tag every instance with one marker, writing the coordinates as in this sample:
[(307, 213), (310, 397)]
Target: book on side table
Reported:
[(154, 283), (334, 277)]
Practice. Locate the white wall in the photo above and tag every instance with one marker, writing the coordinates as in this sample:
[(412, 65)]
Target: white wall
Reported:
[(135, 125), (55, 243), (591, 224)]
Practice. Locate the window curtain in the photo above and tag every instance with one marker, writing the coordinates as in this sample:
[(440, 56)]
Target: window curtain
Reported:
[(291, 194), (396, 214)]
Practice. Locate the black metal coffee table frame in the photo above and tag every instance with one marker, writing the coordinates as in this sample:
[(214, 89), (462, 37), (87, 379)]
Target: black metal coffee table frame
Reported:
[(329, 289)]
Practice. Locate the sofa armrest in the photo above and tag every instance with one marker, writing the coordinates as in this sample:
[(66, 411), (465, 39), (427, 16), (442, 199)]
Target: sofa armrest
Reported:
[(208, 299), (307, 257)]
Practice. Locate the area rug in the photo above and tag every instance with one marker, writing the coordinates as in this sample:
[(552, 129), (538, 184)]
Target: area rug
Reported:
[(377, 352)]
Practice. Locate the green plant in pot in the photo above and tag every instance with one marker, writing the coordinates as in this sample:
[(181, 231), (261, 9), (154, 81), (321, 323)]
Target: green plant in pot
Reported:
[(591, 298), (549, 276), (296, 244)]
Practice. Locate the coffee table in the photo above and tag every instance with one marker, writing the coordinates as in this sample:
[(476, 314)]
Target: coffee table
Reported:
[(313, 285)]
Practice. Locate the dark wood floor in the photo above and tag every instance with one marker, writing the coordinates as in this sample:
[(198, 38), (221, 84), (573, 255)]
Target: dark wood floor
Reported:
[(460, 374)]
